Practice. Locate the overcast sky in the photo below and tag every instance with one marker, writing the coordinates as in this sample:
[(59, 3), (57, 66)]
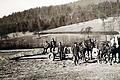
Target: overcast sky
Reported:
[(9, 6)]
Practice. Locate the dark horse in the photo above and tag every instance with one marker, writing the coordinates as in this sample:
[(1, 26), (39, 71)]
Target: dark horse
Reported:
[(88, 46), (104, 52), (109, 50)]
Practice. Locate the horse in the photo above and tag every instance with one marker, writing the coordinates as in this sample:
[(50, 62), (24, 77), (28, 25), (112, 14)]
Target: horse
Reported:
[(104, 52), (108, 50), (81, 50), (114, 49), (88, 48)]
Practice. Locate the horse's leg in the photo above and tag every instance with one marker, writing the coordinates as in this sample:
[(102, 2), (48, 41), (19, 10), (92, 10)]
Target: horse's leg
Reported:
[(88, 53), (118, 50), (118, 57), (91, 53), (98, 57), (102, 57), (81, 55), (84, 57), (75, 61), (106, 58), (115, 56), (110, 58)]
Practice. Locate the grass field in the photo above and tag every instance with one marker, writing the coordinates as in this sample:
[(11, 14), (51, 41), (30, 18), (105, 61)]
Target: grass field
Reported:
[(44, 69), (36, 69)]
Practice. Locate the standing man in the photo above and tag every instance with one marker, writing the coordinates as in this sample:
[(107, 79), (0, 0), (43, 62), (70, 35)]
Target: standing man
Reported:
[(81, 49), (46, 46), (75, 50), (114, 48), (61, 50), (119, 50), (52, 45)]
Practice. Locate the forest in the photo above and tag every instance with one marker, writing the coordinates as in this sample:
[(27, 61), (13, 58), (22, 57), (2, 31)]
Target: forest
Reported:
[(43, 18)]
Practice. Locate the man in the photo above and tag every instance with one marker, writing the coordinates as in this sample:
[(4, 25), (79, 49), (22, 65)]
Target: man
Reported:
[(114, 48), (81, 49), (61, 50), (46, 46), (52, 45), (75, 50), (119, 50)]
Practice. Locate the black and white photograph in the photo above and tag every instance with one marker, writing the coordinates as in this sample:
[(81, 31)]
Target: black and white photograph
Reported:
[(59, 39)]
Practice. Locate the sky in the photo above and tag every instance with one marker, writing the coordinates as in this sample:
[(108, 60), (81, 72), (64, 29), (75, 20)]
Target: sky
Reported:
[(9, 6)]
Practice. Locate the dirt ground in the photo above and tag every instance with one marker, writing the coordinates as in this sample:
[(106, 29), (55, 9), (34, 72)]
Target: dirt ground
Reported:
[(36, 69), (44, 69)]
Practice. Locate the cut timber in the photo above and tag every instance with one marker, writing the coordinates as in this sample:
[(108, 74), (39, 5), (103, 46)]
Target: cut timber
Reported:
[(18, 55)]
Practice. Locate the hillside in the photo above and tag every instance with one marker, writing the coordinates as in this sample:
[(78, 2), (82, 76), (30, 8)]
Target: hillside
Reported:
[(44, 18), (84, 3), (111, 24), (30, 40)]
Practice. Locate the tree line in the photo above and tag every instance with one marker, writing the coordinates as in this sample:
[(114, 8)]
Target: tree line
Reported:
[(43, 18)]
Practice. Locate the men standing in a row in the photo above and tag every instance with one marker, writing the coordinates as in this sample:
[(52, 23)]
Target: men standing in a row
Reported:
[(75, 50), (52, 45)]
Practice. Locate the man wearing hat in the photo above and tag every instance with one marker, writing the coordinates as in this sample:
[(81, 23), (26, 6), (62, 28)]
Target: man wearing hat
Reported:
[(75, 50)]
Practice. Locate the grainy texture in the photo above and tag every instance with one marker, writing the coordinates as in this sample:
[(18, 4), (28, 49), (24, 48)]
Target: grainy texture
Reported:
[(43, 69)]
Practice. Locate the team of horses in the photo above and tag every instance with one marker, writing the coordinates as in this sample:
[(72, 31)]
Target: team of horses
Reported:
[(106, 51)]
